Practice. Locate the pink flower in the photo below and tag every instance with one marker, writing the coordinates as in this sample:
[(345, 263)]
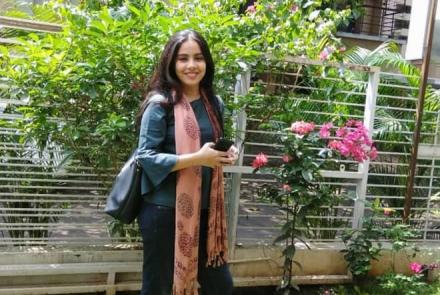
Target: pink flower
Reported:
[(323, 55), (354, 123), (302, 128), (387, 211), (286, 187), (286, 158), (416, 267), (344, 150), (325, 130), (373, 153), (294, 8), (342, 49), (334, 144), (341, 132), (260, 161), (251, 9), (355, 142)]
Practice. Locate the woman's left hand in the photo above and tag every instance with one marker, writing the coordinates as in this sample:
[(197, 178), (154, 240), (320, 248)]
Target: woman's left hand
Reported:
[(232, 154)]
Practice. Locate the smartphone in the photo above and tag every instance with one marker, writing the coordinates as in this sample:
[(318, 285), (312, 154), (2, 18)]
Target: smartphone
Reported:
[(223, 144)]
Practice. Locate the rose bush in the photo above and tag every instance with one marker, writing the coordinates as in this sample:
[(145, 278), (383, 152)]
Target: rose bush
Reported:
[(298, 190)]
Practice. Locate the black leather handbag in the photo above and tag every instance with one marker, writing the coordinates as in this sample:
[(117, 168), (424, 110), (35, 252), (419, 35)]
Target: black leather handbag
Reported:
[(124, 200)]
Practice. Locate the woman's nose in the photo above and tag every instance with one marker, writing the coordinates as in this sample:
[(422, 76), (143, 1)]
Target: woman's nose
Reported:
[(191, 63)]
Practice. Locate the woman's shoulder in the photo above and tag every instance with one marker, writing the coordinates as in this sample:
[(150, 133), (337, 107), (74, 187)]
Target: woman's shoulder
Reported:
[(156, 108), (156, 98)]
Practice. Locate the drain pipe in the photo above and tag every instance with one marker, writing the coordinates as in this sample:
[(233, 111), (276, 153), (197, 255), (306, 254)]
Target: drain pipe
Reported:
[(419, 113)]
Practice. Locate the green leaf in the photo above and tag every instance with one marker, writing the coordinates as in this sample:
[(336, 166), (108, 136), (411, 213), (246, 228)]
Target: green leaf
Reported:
[(307, 175), (99, 26), (314, 15), (308, 3), (298, 264), (92, 92), (289, 251), (303, 241), (134, 9), (281, 238)]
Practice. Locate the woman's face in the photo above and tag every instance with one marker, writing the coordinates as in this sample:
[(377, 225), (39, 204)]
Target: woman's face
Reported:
[(190, 64)]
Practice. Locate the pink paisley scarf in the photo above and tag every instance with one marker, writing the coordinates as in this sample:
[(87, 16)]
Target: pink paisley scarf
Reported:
[(188, 200)]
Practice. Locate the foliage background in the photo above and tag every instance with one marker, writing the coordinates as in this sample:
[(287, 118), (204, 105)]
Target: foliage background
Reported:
[(84, 84)]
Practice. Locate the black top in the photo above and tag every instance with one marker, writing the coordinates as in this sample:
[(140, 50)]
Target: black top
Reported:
[(157, 152)]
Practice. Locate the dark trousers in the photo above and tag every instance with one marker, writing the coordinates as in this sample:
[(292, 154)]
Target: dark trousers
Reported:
[(157, 225)]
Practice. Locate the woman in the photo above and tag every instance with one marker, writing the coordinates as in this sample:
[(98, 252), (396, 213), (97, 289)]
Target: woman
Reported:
[(183, 219)]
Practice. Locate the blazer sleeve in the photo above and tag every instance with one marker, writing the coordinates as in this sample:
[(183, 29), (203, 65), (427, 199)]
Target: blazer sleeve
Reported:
[(221, 105), (224, 111), (155, 163)]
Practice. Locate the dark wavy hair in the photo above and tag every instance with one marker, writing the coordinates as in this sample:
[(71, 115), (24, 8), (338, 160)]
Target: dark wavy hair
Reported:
[(164, 79)]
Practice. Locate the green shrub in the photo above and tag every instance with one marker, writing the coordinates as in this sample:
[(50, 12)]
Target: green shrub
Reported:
[(84, 84)]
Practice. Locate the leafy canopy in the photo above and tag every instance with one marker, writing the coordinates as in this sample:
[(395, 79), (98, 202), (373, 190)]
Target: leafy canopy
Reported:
[(84, 84)]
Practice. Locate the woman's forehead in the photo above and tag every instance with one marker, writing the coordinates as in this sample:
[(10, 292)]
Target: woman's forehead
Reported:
[(190, 47)]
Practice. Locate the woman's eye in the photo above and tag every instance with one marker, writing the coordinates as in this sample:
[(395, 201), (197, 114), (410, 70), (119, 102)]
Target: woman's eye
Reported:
[(199, 58)]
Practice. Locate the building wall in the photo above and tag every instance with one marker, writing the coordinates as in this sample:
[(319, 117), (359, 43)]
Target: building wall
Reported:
[(434, 69)]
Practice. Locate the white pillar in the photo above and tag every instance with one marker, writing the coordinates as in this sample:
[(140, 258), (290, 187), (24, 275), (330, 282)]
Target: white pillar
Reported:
[(370, 107)]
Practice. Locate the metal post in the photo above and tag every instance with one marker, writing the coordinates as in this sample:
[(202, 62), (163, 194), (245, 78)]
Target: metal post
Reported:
[(431, 180), (419, 112), (241, 88), (361, 187)]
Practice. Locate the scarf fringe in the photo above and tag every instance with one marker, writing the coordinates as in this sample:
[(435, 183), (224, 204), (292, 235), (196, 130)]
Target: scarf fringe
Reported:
[(215, 260), (191, 288)]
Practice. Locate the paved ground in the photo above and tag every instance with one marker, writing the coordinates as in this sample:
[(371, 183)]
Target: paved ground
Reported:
[(237, 291), (304, 290)]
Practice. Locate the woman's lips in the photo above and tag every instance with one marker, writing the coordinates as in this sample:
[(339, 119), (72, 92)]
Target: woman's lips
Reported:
[(191, 75)]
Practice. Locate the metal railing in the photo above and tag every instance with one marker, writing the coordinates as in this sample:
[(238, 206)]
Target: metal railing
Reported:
[(41, 205)]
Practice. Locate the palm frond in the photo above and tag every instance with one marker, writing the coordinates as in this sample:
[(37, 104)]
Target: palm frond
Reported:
[(46, 13), (388, 127), (388, 57), (386, 46), (432, 99), (395, 61), (357, 55)]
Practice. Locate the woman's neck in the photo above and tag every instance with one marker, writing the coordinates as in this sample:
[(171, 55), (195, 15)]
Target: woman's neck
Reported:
[(192, 93)]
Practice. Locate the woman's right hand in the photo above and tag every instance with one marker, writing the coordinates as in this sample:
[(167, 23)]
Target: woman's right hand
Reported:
[(212, 158)]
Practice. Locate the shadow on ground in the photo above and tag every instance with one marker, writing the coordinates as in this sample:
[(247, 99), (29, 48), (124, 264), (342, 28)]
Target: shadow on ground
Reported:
[(237, 291), (304, 290)]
